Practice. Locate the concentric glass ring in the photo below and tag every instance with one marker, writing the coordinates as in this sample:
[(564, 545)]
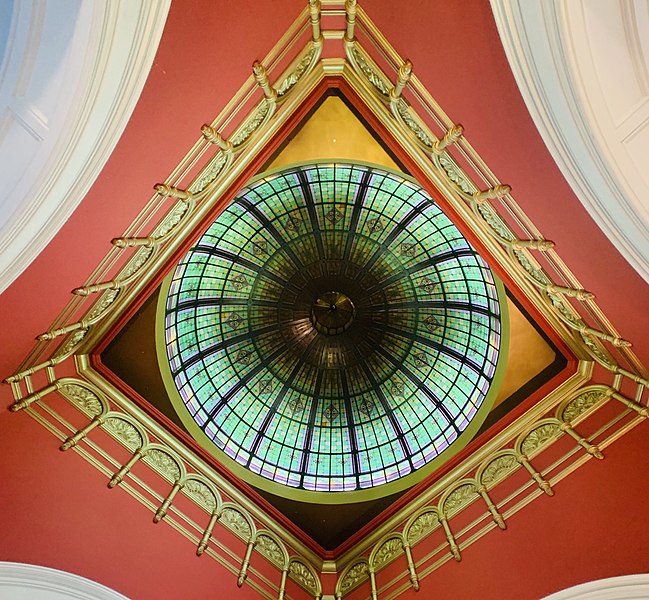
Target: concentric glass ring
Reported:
[(332, 330)]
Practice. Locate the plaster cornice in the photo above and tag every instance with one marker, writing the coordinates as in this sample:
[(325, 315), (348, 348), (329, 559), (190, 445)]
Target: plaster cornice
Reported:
[(22, 581), (67, 133), (627, 587)]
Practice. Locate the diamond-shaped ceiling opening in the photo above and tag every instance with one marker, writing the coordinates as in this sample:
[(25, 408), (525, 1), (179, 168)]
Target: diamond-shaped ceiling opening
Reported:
[(330, 128)]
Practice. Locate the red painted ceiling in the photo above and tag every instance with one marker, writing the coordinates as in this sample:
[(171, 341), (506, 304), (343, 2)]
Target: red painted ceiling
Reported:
[(205, 55)]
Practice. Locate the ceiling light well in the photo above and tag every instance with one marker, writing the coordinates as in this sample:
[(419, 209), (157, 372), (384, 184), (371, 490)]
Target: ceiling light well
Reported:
[(359, 415)]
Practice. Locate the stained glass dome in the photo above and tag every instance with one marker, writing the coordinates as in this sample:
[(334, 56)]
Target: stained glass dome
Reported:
[(332, 330)]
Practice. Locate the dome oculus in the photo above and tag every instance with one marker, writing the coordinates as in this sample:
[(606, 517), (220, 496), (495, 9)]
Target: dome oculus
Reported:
[(332, 330)]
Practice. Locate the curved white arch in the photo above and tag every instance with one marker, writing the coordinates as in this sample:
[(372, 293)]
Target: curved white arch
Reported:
[(69, 79), (20, 581), (627, 587), (583, 70)]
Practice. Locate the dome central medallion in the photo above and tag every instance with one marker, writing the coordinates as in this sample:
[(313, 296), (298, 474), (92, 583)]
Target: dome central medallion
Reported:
[(332, 331), (332, 313)]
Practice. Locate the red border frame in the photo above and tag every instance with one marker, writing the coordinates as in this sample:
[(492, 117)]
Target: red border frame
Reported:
[(331, 83)]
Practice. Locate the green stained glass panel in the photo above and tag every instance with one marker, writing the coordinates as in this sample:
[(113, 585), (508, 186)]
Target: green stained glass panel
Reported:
[(360, 393)]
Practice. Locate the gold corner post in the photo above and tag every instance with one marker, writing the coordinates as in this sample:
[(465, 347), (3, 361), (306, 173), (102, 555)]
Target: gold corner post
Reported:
[(33, 397), (451, 136), (643, 411), (403, 76), (73, 440), (125, 469), (414, 579), (350, 19), (54, 333), (166, 503), (214, 137), (207, 534), (261, 77), (314, 14)]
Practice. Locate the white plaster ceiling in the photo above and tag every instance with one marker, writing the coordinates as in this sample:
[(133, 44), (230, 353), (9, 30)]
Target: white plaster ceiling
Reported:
[(71, 72), (582, 68), (19, 581)]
